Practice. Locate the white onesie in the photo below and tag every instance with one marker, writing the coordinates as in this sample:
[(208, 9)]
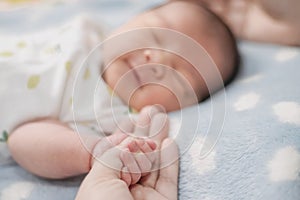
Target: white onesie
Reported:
[(48, 75)]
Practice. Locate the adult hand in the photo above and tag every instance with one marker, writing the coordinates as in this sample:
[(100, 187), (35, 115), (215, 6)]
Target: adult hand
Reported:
[(161, 183), (166, 183), (108, 178), (104, 182)]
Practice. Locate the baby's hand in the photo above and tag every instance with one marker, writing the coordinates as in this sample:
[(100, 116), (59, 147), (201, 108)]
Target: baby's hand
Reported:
[(137, 160), (152, 122)]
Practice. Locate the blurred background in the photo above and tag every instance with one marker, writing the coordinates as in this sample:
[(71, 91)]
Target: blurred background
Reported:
[(21, 16)]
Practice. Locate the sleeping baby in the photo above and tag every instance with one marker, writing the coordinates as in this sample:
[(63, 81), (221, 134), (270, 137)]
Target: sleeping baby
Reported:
[(59, 84)]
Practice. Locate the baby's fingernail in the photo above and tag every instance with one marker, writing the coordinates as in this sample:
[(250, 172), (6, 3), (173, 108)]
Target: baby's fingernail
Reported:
[(152, 144), (132, 146)]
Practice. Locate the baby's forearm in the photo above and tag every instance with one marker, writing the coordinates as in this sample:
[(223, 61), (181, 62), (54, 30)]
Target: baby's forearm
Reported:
[(50, 149)]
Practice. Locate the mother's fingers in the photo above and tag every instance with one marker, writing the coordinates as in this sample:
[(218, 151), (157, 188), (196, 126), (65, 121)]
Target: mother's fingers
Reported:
[(164, 178), (159, 128), (151, 179), (158, 131), (143, 122), (169, 163), (168, 176)]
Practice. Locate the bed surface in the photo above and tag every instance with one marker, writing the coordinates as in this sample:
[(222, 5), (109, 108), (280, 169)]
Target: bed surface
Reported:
[(257, 154)]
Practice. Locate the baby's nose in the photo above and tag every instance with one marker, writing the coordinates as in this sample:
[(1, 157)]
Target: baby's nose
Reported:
[(147, 55)]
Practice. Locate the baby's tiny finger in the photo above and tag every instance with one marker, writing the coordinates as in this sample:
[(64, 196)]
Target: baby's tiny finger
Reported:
[(147, 150), (144, 163), (152, 144), (133, 146), (125, 176), (130, 162)]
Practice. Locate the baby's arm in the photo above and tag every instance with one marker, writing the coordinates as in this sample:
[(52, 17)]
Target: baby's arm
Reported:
[(50, 149)]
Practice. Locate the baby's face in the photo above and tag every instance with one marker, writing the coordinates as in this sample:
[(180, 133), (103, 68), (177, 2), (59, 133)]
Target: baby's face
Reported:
[(149, 76)]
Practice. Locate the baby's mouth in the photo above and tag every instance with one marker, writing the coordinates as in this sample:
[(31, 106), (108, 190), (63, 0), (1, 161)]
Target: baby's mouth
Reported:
[(134, 71)]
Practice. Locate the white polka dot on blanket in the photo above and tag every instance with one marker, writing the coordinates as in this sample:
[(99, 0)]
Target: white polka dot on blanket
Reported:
[(286, 54), (285, 165), (287, 112), (246, 101), (202, 165), (17, 191)]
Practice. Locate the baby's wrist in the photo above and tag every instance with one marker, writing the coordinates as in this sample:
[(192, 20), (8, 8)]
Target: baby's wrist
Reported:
[(92, 155), (104, 144)]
